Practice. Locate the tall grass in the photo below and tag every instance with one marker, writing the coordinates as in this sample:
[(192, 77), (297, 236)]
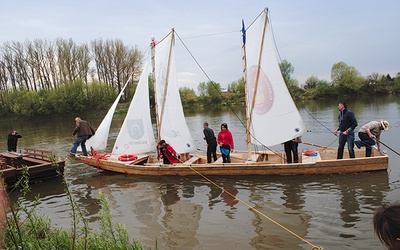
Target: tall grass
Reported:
[(26, 229)]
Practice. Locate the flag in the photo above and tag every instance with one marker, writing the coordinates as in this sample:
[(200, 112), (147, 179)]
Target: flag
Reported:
[(243, 32)]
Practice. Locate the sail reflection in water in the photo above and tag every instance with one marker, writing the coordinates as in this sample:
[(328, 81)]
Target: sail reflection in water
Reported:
[(191, 213)]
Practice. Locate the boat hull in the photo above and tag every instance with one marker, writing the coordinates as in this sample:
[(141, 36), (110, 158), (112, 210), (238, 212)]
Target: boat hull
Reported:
[(329, 166)]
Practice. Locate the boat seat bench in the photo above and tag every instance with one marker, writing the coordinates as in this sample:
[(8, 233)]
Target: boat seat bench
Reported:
[(192, 160)]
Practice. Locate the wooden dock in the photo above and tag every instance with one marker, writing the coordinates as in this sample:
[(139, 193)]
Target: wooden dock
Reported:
[(38, 161)]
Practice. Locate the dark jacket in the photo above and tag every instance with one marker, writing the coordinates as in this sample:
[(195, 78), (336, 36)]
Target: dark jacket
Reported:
[(347, 121), (83, 128), (12, 141), (209, 135)]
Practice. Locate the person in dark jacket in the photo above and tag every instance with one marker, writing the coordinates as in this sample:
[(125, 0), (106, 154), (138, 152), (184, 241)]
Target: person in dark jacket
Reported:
[(84, 131), (347, 124), (12, 141), (211, 141), (292, 147)]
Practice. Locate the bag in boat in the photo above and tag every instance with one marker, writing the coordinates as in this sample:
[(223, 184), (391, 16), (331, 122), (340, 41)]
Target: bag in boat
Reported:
[(309, 152), (225, 149)]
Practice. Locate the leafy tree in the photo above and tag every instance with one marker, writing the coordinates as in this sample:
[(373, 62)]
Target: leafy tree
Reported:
[(237, 86), (311, 82), (188, 96), (346, 78), (214, 92), (202, 89), (287, 70)]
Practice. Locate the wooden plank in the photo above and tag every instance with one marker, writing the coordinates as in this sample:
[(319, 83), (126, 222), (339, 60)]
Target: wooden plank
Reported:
[(192, 160)]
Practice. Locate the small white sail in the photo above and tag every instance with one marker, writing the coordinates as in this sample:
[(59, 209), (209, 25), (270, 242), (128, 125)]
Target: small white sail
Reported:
[(136, 135), (174, 129), (274, 116), (99, 140)]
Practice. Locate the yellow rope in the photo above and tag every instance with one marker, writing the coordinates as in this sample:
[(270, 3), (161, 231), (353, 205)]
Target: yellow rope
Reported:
[(255, 210)]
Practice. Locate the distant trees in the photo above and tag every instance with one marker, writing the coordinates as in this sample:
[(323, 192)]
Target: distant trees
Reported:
[(41, 64), (43, 77)]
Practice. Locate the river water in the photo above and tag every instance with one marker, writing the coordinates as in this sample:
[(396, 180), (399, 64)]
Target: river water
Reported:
[(330, 211)]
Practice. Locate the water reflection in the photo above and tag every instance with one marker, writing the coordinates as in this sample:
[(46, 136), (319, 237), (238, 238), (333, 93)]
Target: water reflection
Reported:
[(332, 211)]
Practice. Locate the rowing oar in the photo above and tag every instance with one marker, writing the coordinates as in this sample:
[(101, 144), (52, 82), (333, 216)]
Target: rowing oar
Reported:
[(394, 151), (312, 144)]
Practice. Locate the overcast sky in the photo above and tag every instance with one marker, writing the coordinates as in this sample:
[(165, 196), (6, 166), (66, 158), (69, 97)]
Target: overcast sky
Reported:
[(312, 35)]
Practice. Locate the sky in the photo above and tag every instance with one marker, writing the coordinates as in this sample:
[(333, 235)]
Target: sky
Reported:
[(312, 35)]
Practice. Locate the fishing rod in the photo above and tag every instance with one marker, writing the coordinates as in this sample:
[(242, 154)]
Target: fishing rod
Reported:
[(312, 144), (394, 151)]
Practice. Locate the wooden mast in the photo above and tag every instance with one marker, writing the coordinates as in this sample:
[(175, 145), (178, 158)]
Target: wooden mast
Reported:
[(249, 111), (153, 63), (248, 140), (171, 46)]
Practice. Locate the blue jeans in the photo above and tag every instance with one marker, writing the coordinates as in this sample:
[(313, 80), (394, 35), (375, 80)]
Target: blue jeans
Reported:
[(80, 140), (349, 138)]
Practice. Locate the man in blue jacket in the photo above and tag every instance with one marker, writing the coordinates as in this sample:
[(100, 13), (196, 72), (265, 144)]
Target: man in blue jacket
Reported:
[(347, 124)]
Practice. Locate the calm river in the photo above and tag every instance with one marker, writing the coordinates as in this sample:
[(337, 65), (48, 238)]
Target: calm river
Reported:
[(330, 211)]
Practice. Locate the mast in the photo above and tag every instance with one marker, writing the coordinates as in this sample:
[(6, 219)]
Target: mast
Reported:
[(171, 46), (260, 55), (153, 64), (248, 141)]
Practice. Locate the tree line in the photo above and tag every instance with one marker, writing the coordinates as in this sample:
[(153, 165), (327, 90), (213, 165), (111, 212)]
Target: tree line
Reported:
[(42, 77)]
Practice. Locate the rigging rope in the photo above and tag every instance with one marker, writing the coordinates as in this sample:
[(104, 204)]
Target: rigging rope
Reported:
[(225, 100), (256, 210)]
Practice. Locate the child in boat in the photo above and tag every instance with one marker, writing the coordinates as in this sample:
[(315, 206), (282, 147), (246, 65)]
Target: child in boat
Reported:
[(225, 141), (167, 153)]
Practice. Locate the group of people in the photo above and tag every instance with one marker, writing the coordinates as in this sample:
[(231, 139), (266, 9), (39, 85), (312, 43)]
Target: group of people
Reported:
[(369, 134), (224, 140)]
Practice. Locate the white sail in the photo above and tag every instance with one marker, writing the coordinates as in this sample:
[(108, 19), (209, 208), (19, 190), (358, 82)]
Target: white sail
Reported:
[(274, 116), (99, 140), (173, 127), (136, 135)]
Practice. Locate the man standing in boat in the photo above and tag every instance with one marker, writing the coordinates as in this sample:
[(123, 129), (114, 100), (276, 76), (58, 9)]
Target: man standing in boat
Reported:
[(292, 146), (84, 131), (225, 141), (368, 133), (347, 124), (167, 153), (211, 141)]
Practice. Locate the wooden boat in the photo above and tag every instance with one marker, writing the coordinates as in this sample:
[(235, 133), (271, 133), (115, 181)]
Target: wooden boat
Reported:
[(40, 166), (268, 103), (267, 163)]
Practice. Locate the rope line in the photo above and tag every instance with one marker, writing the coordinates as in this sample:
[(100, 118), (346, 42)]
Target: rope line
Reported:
[(257, 211), (225, 100)]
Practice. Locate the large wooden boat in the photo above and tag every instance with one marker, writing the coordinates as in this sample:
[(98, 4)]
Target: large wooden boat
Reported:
[(272, 118), (266, 163), (40, 165)]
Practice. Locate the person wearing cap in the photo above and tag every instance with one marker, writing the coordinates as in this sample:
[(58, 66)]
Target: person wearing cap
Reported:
[(225, 141), (167, 153), (368, 133)]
